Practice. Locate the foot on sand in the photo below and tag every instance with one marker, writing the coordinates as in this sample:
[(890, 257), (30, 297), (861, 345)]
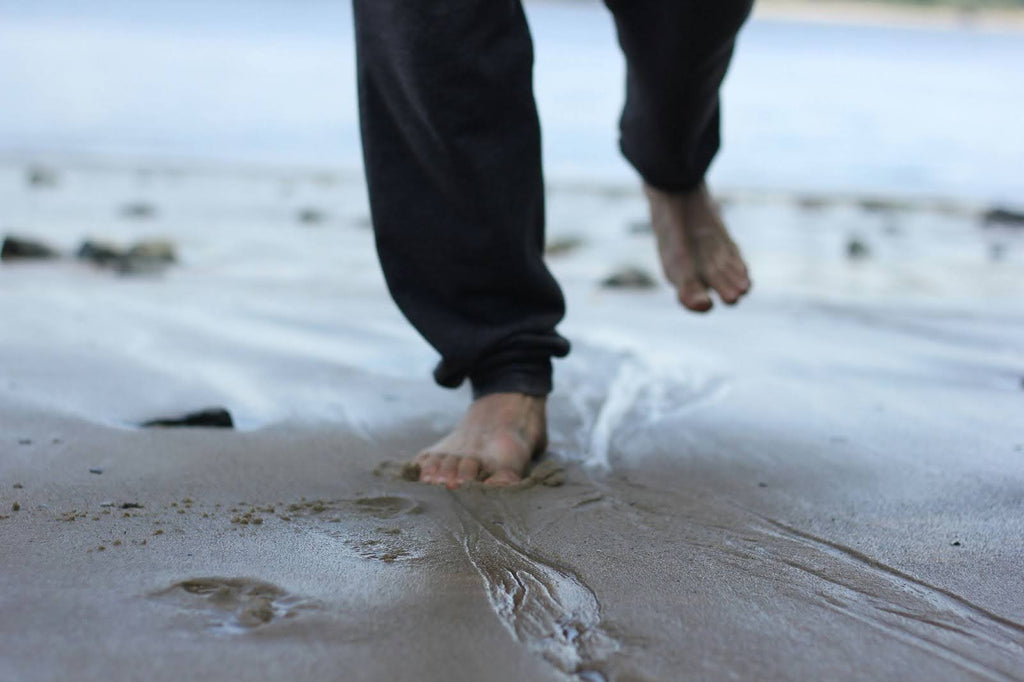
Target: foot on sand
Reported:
[(495, 441), (696, 250)]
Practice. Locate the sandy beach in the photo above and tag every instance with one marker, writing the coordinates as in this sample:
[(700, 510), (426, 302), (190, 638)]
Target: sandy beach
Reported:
[(823, 483)]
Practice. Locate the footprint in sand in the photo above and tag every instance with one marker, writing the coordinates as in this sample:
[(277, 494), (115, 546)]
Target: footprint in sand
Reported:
[(356, 523), (234, 605)]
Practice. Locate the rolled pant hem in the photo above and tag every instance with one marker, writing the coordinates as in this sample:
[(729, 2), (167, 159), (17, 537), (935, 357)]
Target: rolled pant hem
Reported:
[(535, 382), (681, 182)]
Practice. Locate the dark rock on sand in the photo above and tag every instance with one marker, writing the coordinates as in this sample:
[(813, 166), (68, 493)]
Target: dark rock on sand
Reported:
[(311, 216), (640, 227), (100, 253), (629, 277), (139, 210), (857, 249), (146, 255), (811, 202), (16, 248), (40, 176), (562, 245), (880, 205), (96, 470), (214, 417), (1003, 216)]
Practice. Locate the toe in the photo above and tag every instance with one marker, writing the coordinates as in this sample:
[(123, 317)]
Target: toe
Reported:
[(469, 469), (736, 269), (448, 470), (740, 282), (429, 464), (694, 296), (503, 478), (721, 281)]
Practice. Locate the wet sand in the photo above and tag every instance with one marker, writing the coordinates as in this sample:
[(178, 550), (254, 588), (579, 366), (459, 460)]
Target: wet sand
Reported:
[(823, 483)]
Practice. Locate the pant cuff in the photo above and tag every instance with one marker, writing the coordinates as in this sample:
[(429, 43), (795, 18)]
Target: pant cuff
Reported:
[(532, 380)]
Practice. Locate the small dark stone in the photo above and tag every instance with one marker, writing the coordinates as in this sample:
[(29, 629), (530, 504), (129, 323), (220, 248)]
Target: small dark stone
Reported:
[(214, 417), (311, 216), (629, 278), (879, 205), (99, 253), (138, 210), (16, 248), (812, 203), (40, 176), (856, 249), (15, 507), (562, 245), (96, 470), (762, 484), (24, 441), (955, 543), (147, 256), (131, 505), (1006, 217)]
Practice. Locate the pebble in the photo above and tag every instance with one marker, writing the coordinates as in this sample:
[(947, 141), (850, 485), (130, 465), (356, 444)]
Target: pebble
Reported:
[(96, 470), (311, 216), (629, 277), (38, 176), (214, 417), (17, 248), (1003, 216), (857, 249), (138, 210)]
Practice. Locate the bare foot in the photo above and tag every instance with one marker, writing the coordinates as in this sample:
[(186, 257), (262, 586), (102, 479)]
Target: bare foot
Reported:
[(495, 441), (696, 250)]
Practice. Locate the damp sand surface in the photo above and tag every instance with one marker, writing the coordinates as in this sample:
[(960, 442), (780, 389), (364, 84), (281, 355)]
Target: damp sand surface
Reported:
[(823, 483)]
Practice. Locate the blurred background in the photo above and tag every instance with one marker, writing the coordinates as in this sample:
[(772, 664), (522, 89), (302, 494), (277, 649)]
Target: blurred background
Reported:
[(916, 98)]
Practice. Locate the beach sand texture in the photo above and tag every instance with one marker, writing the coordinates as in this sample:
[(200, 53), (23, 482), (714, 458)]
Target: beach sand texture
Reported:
[(826, 482)]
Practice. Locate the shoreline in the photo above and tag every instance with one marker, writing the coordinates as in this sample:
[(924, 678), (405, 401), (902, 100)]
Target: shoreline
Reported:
[(899, 16)]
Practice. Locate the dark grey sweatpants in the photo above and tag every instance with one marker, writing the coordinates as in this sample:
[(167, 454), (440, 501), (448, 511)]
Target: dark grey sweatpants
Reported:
[(451, 144)]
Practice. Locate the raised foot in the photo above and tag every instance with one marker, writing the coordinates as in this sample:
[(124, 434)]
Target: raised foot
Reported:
[(696, 250), (495, 441)]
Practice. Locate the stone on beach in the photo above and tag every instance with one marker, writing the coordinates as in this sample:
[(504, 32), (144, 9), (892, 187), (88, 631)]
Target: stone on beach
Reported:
[(1003, 216), (214, 417), (629, 277), (18, 248)]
